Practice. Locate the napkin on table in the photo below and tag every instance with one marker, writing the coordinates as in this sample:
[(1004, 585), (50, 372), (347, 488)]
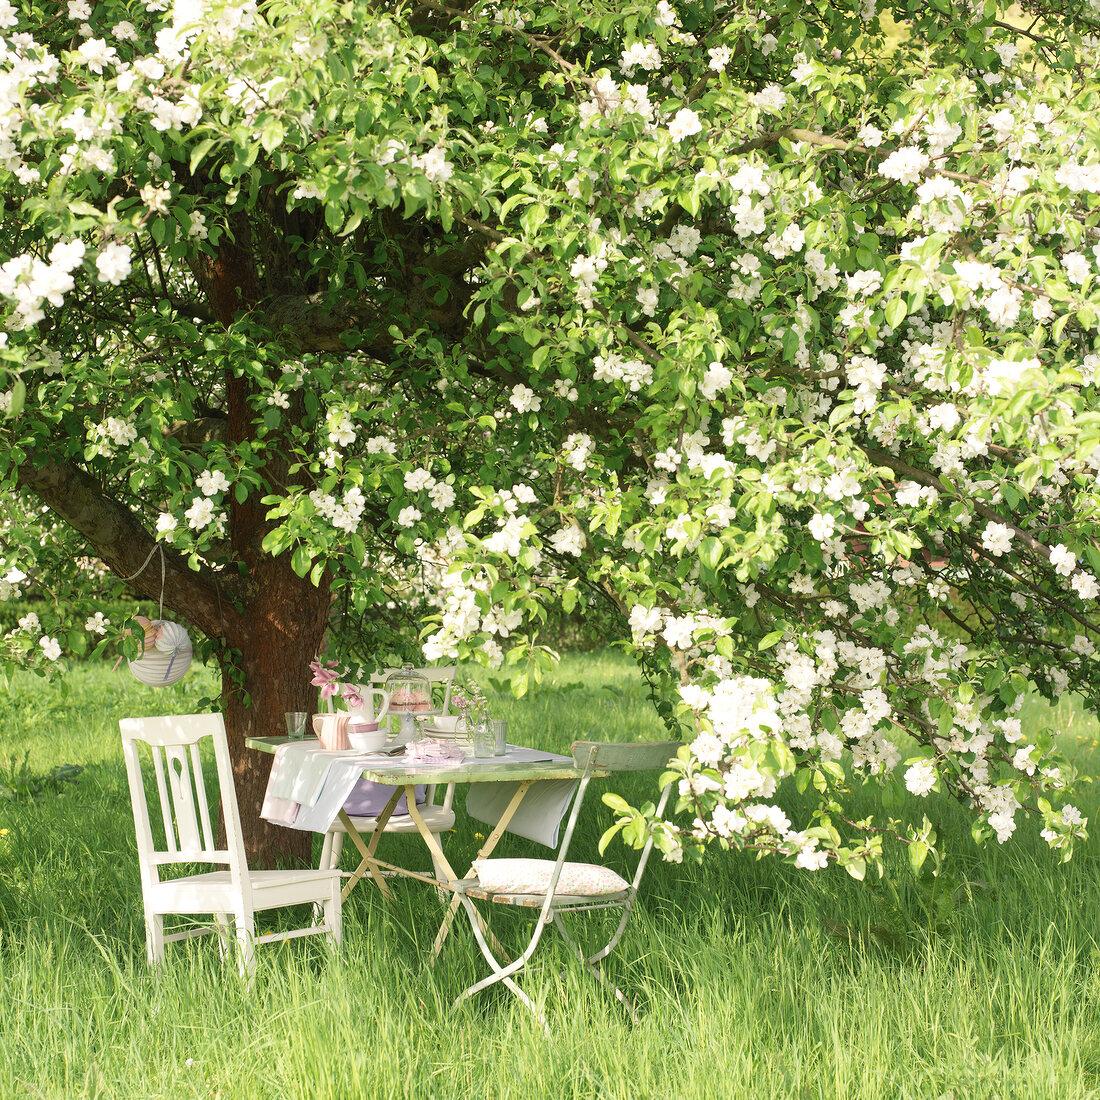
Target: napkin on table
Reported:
[(430, 751)]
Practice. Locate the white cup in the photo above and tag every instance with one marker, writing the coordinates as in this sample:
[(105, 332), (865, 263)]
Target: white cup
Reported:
[(366, 736), (447, 722)]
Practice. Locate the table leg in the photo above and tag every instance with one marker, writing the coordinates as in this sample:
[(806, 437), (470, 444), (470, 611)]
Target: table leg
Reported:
[(486, 850), (429, 838), (367, 851), (441, 861)]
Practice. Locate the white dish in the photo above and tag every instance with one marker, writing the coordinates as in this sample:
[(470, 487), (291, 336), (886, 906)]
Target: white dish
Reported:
[(444, 735), (445, 723), (368, 741)]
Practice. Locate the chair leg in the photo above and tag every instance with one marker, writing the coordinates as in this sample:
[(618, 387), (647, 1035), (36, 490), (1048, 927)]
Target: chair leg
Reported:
[(589, 963), (154, 938), (330, 859), (334, 915), (501, 973), (440, 873), (221, 925), (330, 850), (246, 942)]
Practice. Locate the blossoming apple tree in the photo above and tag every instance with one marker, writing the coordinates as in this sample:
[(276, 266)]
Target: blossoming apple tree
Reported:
[(774, 331)]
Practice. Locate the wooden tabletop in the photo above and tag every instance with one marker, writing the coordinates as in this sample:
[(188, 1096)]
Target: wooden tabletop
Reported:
[(470, 770)]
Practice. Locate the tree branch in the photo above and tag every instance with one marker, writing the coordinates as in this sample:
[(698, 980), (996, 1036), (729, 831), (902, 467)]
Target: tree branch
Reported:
[(914, 473), (120, 541)]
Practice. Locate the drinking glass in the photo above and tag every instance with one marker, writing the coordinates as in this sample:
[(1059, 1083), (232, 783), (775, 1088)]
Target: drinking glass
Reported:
[(500, 736), (295, 724), (482, 740)]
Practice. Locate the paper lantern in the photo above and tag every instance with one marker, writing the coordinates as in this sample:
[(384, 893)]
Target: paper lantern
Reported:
[(166, 653)]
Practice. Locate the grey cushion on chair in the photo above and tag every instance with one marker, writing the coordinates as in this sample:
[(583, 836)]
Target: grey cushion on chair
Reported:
[(539, 815)]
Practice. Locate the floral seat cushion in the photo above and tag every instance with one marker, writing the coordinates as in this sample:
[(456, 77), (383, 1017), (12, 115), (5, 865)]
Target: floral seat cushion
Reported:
[(532, 876)]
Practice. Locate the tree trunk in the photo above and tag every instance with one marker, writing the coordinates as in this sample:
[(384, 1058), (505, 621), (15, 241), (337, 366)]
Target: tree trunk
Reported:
[(280, 633)]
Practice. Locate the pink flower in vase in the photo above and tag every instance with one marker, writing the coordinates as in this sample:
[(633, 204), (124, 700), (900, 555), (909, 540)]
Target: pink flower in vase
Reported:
[(352, 697), (470, 704), (325, 677)]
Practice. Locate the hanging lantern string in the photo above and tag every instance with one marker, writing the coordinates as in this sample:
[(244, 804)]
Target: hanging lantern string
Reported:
[(160, 669), (156, 546)]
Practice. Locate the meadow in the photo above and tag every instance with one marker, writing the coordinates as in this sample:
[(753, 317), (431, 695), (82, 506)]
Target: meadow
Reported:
[(752, 979)]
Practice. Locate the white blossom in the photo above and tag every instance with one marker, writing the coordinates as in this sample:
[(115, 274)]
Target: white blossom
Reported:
[(685, 124), (1064, 560), (211, 482), (997, 538), (920, 778), (113, 263), (200, 514), (905, 165)]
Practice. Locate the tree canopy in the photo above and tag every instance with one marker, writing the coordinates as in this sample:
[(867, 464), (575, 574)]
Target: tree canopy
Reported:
[(774, 327)]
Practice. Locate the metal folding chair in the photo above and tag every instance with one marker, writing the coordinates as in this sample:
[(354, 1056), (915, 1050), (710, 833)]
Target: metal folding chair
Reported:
[(557, 887)]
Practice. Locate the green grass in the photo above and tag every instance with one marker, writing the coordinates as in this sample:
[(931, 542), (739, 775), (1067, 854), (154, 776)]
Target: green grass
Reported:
[(753, 979)]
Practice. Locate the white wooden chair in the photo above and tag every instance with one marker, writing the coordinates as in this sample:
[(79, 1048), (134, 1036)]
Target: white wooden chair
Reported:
[(174, 743), (439, 818), (556, 887)]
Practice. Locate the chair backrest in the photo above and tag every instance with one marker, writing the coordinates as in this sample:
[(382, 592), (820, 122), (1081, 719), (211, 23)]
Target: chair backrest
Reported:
[(174, 744), (444, 675), (624, 756), (617, 756)]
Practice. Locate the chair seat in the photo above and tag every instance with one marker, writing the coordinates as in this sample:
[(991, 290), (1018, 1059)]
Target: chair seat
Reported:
[(270, 890), (437, 818), (531, 877), (535, 901)]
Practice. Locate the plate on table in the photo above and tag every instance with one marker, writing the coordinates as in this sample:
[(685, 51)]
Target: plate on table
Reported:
[(442, 727), (437, 734)]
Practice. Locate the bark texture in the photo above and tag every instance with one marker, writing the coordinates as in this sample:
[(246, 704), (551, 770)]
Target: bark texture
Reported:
[(278, 635)]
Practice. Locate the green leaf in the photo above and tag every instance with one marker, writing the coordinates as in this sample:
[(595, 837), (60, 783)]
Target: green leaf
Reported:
[(896, 312), (276, 541), (710, 552), (300, 560), (271, 136), (918, 853), (790, 344), (616, 802), (18, 398), (609, 835), (200, 151)]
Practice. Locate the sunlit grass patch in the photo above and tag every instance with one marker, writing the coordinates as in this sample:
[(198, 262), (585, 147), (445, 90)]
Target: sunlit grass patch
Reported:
[(753, 979)]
